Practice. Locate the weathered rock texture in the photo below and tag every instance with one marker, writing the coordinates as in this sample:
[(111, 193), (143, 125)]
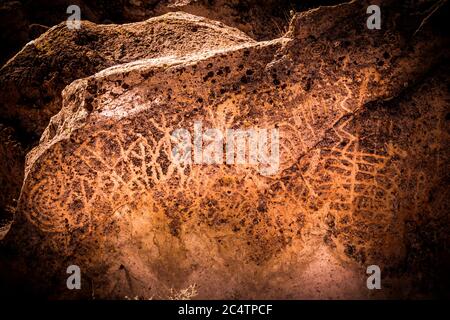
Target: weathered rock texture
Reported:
[(12, 157), (14, 25), (364, 147), (23, 21), (34, 79), (261, 20), (32, 82)]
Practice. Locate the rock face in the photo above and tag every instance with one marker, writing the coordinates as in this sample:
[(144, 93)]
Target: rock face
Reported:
[(14, 25), (32, 82), (23, 21), (362, 117), (261, 20), (34, 79), (12, 157)]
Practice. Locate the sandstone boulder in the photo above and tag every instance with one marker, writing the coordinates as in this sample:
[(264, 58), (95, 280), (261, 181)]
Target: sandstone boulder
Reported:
[(261, 20), (33, 80), (24, 20), (363, 144)]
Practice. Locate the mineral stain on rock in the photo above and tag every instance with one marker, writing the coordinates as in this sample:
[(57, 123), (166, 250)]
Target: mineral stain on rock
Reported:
[(363, 175)]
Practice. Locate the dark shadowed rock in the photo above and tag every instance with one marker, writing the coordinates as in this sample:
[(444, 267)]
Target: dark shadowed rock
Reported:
[(14, 26), (12, 157), (260, 19)]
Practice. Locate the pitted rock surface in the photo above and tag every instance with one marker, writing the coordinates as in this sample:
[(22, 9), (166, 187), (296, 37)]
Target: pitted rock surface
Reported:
[(24, 20), (33, 80), (363, 147)]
